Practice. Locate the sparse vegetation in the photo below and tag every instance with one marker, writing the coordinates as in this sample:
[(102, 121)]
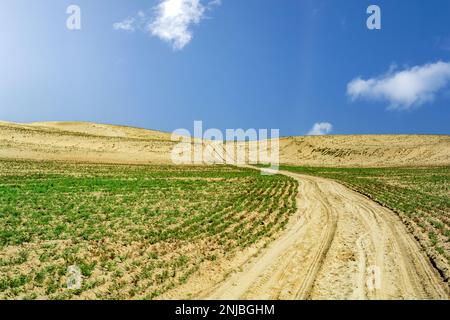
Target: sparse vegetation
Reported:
[(421, 196), (134, 231)]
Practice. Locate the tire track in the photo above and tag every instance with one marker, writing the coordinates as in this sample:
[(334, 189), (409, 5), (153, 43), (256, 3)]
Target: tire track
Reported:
[(332, 248), (287, 269)]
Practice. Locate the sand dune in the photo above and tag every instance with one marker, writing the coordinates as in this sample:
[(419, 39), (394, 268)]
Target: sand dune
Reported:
[(84, 142), (120, 144), (105, 130), (366, 150)]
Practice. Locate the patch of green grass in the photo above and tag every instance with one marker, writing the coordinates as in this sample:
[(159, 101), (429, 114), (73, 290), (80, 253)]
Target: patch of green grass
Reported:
[(136, 230)]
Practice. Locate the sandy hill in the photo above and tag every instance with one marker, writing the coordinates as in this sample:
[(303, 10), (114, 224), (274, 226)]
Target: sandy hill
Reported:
[(83, 141), (104, 130), (366, 150)]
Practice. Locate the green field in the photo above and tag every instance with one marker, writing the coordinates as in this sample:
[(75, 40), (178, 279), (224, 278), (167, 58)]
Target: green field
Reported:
[(133, 231), (421, 196)]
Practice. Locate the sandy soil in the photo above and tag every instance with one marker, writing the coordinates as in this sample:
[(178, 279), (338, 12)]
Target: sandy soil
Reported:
[(339, 245), (366, 150), (84, 141), (87, 142)]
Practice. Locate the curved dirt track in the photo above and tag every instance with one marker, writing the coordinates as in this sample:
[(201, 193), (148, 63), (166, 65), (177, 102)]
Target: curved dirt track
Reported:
[(339, 245)]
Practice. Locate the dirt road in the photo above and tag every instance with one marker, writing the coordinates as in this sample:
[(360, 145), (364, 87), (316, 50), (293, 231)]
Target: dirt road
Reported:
[(339, 245)]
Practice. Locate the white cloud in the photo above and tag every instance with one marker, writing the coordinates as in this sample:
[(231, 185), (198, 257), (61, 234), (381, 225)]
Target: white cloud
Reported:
[(320, 129), (403, 89), (171, 21), (127, 24), (214, 3), (174, 19)]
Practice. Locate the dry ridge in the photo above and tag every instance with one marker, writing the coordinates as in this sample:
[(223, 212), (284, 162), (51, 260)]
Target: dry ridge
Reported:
[(109, 143), (83, 141)]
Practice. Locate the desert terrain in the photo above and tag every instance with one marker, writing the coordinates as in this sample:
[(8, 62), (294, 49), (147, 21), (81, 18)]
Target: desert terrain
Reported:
[(109, 199), (108, 143)]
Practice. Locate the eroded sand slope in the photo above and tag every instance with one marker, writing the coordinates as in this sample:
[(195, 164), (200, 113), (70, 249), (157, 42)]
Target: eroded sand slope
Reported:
[(89, 142), (366, 150), (108, 143)]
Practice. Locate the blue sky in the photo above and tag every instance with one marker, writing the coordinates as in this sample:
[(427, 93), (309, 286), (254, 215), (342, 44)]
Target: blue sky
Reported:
[(284, 64)]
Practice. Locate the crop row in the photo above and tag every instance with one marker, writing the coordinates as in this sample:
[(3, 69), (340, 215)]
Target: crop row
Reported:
[(133, 231), (421, 196)]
